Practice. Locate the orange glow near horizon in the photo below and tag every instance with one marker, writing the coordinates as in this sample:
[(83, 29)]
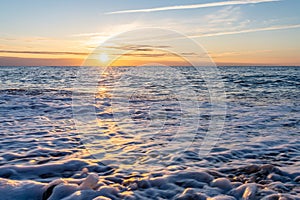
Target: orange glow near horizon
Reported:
[(75, 60), (133, 58)]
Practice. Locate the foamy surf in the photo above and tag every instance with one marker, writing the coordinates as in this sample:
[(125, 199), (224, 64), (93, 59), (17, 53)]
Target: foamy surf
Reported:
[(89, 180)]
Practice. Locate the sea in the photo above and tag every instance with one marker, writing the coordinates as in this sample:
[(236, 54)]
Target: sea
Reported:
[(149, 132)]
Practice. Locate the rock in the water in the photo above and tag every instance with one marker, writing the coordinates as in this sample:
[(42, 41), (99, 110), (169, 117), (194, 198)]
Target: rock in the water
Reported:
[(198, 176), (236, 184), (84, 194), (63, 190), (276, 177), (212, 191), (222, 183), (243, 191), (250, 169), (108, 190), (279, 197), (190, 193), (102, 198), (271, 197), (250, 192), (90, 182), (267, 169), (278, 187), (222, 197)]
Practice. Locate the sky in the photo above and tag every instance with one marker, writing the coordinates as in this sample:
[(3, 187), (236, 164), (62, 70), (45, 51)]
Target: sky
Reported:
[(68, 32)]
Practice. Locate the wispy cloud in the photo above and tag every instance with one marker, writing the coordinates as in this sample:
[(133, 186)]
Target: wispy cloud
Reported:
[(17, 61), (151, 55), (146, 50), (193, 6), (146, 54), (137, 47), (44, 52), (90, 34), (27, 39), (238, 53), (271, 28)]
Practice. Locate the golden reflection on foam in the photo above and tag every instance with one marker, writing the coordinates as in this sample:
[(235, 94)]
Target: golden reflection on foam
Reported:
[(113, 141), (109, 127), (102, 92)]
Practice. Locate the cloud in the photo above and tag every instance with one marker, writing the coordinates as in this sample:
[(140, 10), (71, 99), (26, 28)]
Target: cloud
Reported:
[(223, 17), (44, 52), (193, 6), (137, 47), (239, 53), (28, 39), (145, 50), (167, 54), (271, 28), (147, 54), (89, 34), (17, 61)]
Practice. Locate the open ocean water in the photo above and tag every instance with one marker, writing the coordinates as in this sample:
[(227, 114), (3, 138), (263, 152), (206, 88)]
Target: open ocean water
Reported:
[(43, 155)]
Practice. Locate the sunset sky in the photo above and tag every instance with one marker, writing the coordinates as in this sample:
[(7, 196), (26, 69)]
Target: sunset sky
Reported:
[(233, 32)]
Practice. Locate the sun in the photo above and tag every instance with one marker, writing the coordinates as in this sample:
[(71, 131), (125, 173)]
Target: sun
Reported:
[(103, 57)]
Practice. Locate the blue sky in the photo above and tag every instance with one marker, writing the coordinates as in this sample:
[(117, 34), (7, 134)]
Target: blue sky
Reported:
[(264, 32)]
